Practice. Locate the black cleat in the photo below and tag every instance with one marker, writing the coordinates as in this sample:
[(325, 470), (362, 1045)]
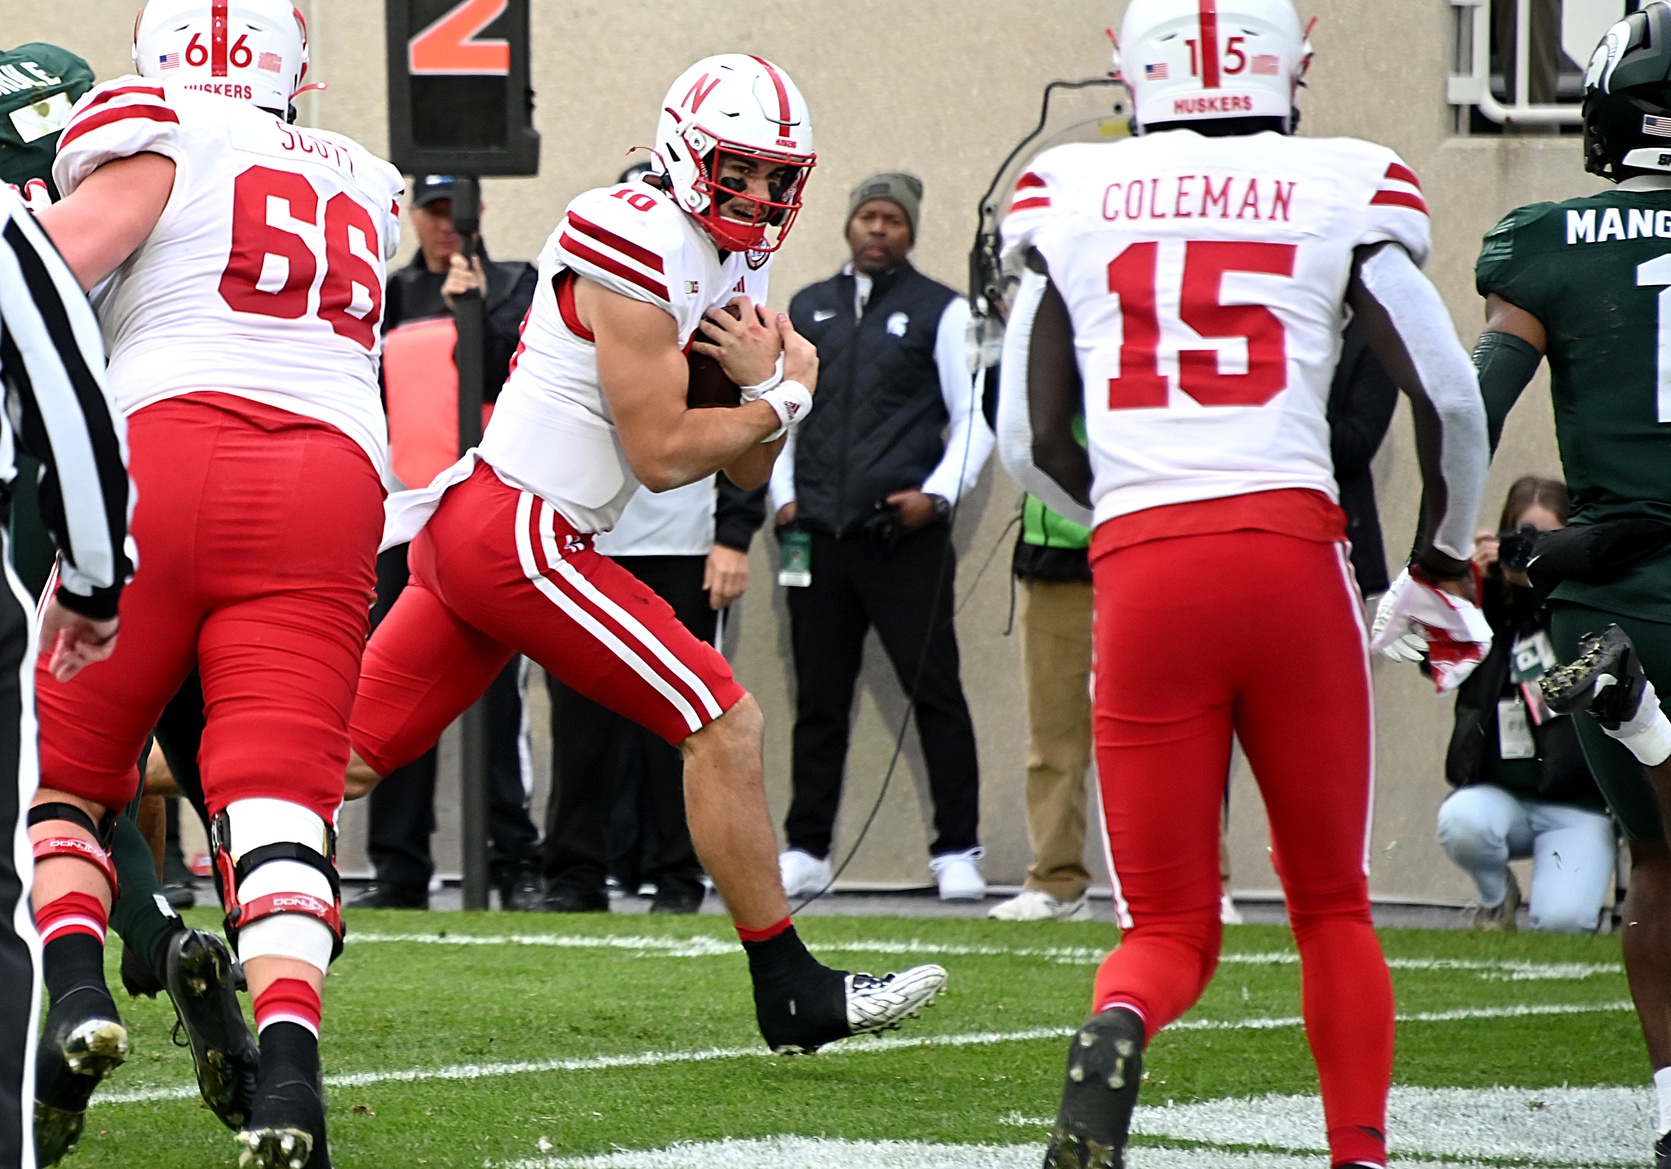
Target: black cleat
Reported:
[(1605, 679), (842, 1005), (202, 983), (678, 896), (521, 891), (287, 1128), (1662, 1151), (1105, 1070), (180, 894), (83, 1042), (564, 897)]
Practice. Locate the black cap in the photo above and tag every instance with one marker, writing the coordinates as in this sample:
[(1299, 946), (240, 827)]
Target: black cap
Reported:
[(431, 188)]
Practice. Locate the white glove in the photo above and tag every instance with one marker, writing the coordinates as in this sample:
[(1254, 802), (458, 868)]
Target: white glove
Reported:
[(1415, 619), (1406, 645)]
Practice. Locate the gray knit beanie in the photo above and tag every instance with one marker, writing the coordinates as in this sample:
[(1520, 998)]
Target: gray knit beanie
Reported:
[(903, 189)]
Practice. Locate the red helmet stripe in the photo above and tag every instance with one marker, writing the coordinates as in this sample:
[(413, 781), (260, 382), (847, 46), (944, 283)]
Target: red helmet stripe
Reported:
[(1209, 44), (783, 112), (218, 29)]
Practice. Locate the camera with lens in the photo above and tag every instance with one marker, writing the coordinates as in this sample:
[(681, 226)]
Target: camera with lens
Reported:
[(1514, 549)]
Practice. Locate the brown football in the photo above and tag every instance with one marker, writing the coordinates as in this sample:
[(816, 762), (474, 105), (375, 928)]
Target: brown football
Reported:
[(708, 384)]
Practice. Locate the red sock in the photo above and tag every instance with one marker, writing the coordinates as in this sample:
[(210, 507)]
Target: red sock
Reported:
[(764, 935), (288, 1000), (73, 913)]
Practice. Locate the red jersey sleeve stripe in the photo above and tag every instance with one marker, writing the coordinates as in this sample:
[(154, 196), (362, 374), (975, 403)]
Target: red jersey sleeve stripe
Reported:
[(1030, 204), (620, 243), (1399, 199), (155, 91), (1028, 181), (1403, 174), (87, 125), (569, 243)]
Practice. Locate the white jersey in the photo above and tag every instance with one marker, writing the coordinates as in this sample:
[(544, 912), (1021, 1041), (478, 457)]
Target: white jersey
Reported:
[(264, 276), (551, 432), (1206, 279)]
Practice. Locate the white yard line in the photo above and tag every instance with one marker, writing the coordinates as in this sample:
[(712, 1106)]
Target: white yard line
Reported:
[(703, 946), (788, 1152), (852, 1047)]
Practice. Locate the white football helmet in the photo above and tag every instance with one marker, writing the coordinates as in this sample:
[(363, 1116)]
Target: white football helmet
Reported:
[(256, 50), (1193, 60), (740, 107)]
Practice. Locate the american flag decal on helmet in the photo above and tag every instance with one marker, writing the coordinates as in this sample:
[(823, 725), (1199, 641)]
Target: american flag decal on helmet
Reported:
[(1266, 65), (1161, 72), (169, 60), (1657, 126), (270, 63)]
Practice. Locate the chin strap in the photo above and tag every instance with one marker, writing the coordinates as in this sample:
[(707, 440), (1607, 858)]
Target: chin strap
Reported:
[(95, 852), (233, 874)]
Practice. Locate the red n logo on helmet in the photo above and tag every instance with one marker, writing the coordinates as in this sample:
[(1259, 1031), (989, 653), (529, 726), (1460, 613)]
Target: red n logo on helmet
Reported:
[(699, 92)]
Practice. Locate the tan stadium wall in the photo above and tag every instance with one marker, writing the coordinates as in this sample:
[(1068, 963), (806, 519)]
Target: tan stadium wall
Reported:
[(945, 88)]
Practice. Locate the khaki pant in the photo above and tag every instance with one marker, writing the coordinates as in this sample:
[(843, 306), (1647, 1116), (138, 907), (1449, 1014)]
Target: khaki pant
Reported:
[(1056, 681)]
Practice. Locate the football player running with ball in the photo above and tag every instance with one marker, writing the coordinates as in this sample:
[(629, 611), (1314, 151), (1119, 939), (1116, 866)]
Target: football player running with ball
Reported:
[(1186, 291), (502, 559), (1585, 284), (240, 267)]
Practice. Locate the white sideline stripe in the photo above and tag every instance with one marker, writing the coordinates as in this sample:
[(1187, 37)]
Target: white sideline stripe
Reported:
[(702, 946), (852, 1047), (821, 1153)]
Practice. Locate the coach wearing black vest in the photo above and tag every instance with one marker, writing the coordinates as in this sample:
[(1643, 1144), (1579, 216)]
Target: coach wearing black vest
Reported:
[(864, 496)]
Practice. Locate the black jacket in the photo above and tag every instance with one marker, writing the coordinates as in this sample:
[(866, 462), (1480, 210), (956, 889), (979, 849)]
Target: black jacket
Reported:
[(1562, 775), (414, 294), (878, 421), (738, 514)]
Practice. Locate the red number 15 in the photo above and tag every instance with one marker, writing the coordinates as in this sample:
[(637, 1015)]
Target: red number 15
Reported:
[(348, 270), (1141, 385)]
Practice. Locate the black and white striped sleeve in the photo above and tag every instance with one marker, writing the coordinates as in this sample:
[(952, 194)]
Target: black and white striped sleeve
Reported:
[(59, 410)]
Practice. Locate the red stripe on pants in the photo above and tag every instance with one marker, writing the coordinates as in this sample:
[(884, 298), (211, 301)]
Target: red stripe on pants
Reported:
[(543, 524), (472, 602), (1260, 635)]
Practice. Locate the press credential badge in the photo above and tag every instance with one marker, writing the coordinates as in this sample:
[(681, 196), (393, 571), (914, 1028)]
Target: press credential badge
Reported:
[(795, 563)]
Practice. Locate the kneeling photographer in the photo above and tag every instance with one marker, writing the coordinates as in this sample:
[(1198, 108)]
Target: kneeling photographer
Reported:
[(1523, 787)]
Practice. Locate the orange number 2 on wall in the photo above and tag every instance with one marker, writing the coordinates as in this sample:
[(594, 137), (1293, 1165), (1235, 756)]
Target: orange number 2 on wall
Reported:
[(449, 47)]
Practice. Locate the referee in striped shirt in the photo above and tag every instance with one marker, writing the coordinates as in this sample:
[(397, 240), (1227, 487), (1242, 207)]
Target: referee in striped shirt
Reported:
[(58, 410)]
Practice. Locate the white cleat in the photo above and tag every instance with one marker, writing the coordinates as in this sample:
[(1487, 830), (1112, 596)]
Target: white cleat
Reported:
[(958, 877), (1228, 914), (882, 1004), (1036, 905), (804, 875)]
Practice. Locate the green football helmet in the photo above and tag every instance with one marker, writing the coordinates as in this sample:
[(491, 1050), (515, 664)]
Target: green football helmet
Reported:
[(1627, 96), (39, 84)]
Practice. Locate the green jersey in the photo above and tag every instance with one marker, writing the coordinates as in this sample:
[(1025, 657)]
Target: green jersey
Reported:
[(1597, 272), (39, 84)]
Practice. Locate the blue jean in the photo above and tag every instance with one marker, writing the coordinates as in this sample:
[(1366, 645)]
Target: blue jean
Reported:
[(1573, 853)]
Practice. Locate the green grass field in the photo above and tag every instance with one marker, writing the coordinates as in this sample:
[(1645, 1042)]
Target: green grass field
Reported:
[(597, 1041)]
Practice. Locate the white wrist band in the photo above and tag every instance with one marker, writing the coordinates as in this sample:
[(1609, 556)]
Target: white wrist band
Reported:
[(752, 393), (791, 400)]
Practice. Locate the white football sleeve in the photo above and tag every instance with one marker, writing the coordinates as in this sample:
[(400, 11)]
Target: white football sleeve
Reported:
[(119, 119)]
